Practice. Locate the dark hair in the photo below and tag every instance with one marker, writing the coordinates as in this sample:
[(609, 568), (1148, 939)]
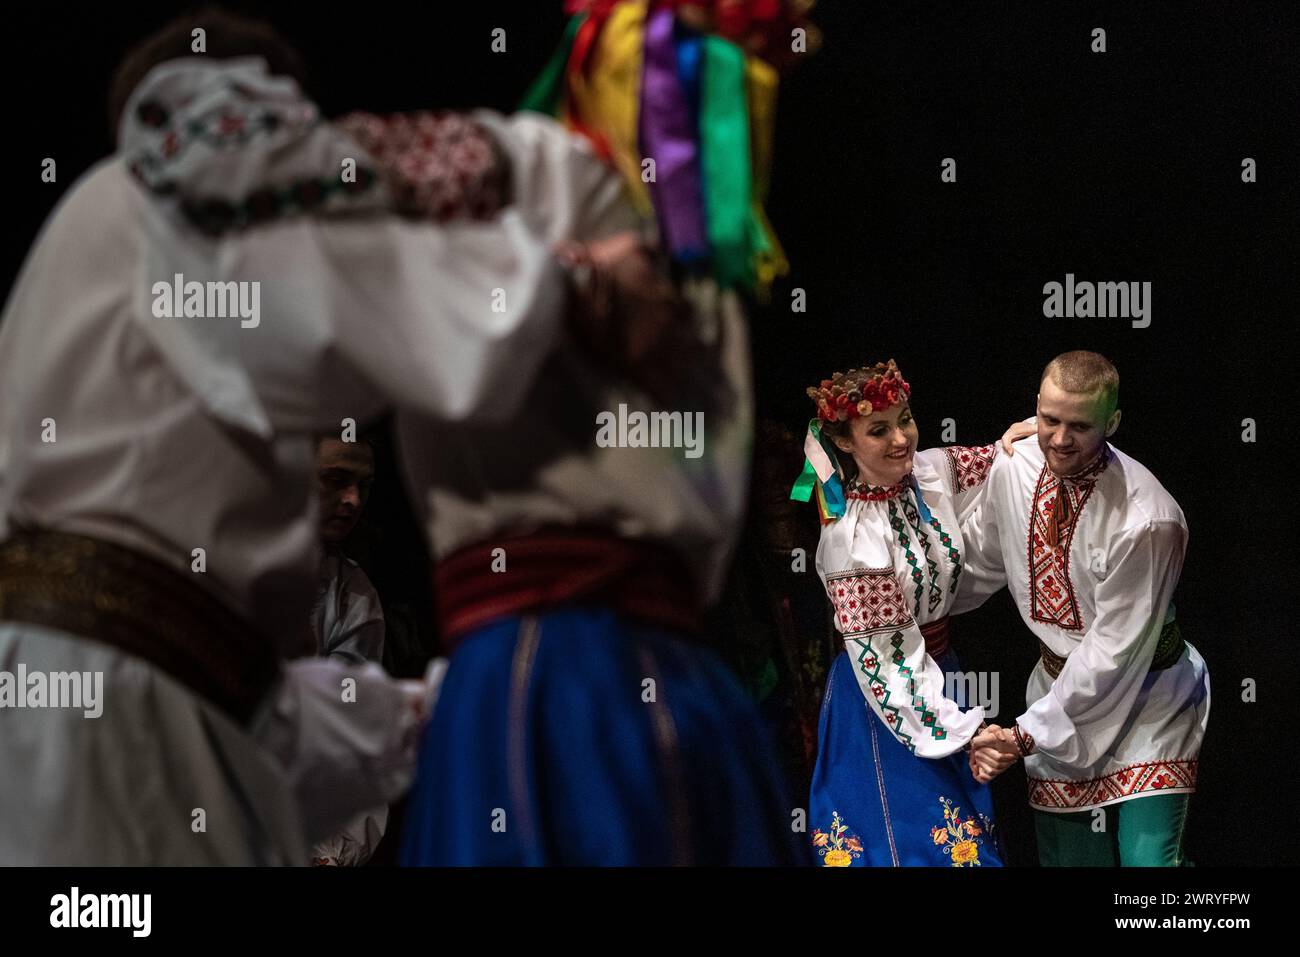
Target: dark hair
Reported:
[(226, 35), (840, 430), (365, 438)]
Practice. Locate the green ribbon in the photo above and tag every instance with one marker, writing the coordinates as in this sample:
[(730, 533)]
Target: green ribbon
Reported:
[(805, 484), (807, 480), (725, 162), (832, 490), (547, 91)]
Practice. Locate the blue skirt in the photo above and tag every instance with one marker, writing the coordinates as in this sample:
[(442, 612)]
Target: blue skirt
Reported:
[(582, 737), (875, 804)]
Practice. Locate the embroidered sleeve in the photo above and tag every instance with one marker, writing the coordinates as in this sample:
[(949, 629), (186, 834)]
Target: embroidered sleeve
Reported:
[(983, 571), (1079, 719), (448, 320), (440, 166), (962, 472), (388, 294), (903, 684), (968, 466)]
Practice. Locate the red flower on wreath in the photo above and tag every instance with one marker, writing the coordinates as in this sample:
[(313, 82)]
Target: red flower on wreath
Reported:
[(859, 392)]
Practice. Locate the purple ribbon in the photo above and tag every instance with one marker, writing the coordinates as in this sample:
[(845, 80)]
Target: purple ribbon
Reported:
[(668, 137)]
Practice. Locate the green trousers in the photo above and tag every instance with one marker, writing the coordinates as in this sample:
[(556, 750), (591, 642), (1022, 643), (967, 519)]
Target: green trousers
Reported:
[(1143, 832)]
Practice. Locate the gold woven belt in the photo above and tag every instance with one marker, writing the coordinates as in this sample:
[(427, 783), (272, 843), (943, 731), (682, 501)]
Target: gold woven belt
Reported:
[(98, 590), (1169, 648)]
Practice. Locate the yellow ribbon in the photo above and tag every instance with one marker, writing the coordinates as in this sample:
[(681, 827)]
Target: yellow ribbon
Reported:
[(612, 104), (761, 82)]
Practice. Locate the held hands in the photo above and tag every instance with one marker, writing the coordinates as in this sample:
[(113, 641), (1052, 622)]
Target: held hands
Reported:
[(991, 752), (1015, 433)]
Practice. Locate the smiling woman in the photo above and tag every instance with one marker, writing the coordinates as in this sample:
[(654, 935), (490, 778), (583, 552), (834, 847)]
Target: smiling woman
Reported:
[(877, 430), (892, 781)]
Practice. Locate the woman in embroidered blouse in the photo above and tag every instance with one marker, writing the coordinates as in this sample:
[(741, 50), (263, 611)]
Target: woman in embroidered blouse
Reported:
[(895, 783)]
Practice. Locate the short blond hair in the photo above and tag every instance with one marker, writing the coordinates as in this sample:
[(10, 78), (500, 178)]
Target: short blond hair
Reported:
[(1087, 372)]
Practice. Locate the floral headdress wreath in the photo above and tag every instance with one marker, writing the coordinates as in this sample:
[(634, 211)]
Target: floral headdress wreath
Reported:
[(844, 396)]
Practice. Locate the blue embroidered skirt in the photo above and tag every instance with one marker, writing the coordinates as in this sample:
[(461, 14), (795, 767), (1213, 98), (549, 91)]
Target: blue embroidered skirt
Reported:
[(579, 736), (875, 804)]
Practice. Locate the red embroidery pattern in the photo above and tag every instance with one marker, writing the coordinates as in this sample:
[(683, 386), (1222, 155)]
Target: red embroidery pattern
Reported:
[(875, 493), (1051, 593), (224, 129), (968, 466), (867, 600), (1060, 794), (441, 166)]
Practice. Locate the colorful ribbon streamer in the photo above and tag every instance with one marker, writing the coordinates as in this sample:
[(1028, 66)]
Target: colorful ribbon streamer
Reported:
[(769, 258), (641, 84), (604, 85), (920, 500), (821, 475), (725, 159), (546, 95), (668, 135)]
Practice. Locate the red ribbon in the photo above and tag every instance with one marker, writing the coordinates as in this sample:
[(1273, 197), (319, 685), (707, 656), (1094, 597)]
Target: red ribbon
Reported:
[(598, 11)]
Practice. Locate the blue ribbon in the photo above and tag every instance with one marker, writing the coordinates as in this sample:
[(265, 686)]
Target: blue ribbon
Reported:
[(920, 500)]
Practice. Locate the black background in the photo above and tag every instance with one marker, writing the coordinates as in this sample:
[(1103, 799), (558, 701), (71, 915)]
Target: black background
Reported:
[(1122, 166)]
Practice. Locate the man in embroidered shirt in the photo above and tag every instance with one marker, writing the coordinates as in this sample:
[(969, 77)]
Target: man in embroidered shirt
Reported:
[(1091, 546)]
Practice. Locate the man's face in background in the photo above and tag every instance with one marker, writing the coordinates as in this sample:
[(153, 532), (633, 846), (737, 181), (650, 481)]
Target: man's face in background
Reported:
[(344, 474)]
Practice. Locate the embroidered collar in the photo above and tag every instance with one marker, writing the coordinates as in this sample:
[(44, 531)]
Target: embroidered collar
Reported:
[(875, 493)]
